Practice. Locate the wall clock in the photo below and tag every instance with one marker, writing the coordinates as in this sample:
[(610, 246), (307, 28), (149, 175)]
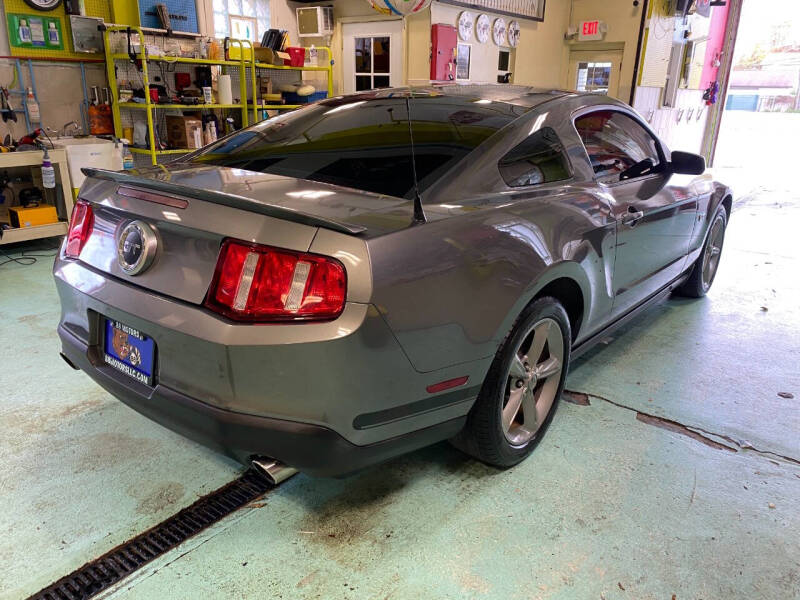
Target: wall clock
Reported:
[(465, 25), (513, 34), (499, 31), (482, 27), (43, 4)]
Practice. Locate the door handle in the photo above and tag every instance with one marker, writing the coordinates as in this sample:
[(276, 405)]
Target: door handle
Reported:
[(632, 217)]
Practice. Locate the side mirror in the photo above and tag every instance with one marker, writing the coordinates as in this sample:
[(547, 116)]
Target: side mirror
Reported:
[(687, 163)]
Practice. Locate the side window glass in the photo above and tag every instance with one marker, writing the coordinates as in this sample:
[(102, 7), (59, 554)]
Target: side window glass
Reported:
[(618, 147), (539, 158)]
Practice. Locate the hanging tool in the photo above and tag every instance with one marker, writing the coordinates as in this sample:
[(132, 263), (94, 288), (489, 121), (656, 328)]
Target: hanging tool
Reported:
[(6, 109), (132, 53)]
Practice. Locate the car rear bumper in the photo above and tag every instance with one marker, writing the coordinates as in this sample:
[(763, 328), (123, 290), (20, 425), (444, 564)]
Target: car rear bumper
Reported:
[(325, 398), (310, 448)]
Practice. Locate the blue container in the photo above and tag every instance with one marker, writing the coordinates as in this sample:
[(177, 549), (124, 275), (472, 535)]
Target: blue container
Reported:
[(292, 98)]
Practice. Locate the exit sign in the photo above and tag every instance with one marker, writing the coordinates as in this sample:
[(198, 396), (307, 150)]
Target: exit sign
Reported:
[(591, 30)]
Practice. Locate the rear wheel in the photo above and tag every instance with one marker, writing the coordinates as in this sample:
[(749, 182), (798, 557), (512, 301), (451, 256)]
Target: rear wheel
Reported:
[(705, 267), (520, 393)]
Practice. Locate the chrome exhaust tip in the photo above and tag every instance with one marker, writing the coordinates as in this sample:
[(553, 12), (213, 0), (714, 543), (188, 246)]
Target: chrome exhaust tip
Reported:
[(274, 470)]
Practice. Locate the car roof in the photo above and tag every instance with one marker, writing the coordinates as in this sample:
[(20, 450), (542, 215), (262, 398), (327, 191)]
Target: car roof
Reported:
[(517, 95)]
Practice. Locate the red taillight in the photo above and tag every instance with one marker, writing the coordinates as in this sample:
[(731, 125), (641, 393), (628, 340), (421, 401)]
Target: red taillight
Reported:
[(80, 228), (259, 283)]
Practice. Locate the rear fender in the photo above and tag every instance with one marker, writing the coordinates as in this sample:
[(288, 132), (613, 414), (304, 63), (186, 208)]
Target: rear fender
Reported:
[(566, 269)]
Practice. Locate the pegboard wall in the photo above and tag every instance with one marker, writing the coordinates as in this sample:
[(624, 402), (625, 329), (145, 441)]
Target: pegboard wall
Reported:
[(94, 8), (183, 14)]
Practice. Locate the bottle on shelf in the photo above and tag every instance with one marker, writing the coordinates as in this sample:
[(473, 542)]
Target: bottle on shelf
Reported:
[(52, 34), (127, 155), (24, 32), (33, 107), (48, 179)]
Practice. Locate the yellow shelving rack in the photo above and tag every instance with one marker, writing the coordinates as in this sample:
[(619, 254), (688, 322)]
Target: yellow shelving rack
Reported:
[(255, 65), (148, 106), (246, 62)]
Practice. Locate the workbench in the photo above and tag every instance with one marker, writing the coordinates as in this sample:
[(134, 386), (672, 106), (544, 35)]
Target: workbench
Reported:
[(33, 158)]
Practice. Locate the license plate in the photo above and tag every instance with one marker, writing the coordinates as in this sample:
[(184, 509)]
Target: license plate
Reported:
[(129, 351)]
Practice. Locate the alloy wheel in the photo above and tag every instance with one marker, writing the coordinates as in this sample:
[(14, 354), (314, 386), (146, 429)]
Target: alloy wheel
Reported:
[(532, 381), (712, 252)]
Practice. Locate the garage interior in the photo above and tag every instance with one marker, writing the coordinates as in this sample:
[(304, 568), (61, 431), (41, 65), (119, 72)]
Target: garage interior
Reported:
[(672, 466)]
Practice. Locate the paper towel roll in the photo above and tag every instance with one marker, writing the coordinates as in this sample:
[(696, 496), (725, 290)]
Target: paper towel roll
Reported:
[(224, 89)]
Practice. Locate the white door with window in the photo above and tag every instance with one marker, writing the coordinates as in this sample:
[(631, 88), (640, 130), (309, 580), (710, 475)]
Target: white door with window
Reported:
[(596, 72), (372, 54)]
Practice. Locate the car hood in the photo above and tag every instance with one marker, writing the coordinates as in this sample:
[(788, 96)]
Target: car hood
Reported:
[(320, 204)]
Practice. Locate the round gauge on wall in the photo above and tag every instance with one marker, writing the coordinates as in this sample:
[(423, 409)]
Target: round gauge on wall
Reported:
[(43, 4), (499, 31), (513, 34), (482, 27), (465, 25)]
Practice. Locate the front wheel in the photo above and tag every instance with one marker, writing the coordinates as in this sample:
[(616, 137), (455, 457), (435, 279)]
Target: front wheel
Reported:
[(521, 391), (706, 265)]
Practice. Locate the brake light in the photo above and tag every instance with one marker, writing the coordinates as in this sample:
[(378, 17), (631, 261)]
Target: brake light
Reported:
[(263, 284), (80, 228)]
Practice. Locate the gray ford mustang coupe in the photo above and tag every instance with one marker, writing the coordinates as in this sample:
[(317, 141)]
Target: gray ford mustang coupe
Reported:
[(374, 273)]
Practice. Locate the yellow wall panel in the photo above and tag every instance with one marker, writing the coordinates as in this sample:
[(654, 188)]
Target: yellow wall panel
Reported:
[(94, 8)]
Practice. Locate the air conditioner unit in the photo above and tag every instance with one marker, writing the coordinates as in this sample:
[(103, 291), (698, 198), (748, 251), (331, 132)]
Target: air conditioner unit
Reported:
[(315, 21)]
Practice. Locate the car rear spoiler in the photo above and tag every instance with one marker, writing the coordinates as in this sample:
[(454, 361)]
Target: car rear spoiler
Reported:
[(232, 200)]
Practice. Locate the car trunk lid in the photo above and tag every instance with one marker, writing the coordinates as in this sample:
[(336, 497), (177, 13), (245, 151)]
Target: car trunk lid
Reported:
[(303, 201), (194, 209)]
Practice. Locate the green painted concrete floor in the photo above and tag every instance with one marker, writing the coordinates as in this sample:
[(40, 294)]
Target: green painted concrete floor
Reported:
[(610, 505)]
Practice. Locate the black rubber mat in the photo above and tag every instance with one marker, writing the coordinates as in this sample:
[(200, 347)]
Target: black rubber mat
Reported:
[(101, 573)]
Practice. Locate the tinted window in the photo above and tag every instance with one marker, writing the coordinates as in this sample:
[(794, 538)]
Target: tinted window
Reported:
[(363, 144), (447, 128), (616, 143), (538, 159)]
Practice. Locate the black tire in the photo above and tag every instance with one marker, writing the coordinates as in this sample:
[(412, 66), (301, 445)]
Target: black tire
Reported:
[(697, 285), (483, 435)]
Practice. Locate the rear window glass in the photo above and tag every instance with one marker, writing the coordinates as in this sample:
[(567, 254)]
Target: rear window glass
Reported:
[(361, 144), (365, 144)]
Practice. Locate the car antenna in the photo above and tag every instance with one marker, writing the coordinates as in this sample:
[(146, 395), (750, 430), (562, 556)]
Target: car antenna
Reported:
[(419, 214)]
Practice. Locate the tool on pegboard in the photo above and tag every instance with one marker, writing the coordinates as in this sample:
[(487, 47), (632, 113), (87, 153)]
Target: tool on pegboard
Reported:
[(6, 110)]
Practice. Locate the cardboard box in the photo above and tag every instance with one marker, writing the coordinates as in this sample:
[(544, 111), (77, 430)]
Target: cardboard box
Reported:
[(184, 132), (264, 85), (31, 217), (270, 56)]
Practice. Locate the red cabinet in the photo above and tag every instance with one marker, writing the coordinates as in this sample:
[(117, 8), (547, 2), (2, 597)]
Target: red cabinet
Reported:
[(444, 39)]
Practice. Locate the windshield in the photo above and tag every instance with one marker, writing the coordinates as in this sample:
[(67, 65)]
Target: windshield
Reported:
[(364, 142)]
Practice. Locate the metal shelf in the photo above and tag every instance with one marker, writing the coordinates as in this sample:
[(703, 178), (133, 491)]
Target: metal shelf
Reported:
[(278, 106), (288, 68), (24, 234), (143, 106), (179, 59), (173, 151)]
